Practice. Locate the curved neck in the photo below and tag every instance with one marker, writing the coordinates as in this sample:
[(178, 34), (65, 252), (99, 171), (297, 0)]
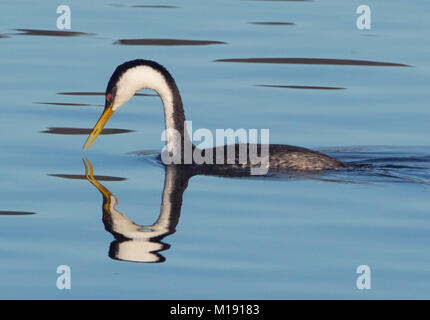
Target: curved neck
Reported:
[(159, 80), (178, 142), (174, 116)]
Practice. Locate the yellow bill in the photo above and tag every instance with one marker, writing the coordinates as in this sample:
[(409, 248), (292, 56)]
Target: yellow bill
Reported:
[(99, 126)]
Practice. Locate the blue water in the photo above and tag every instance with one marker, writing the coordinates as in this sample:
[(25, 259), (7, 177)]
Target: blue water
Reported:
[(280, 237)]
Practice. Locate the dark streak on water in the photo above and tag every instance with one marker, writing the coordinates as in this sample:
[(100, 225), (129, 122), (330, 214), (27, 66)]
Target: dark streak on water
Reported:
[(83, 177), (102, 94), (155, 6), (274, 23), (151, 152), (69, 104), (166, 42), (82, 131), (55, 33), (15, 213), (4, 36), (301, 87), (345, 62)]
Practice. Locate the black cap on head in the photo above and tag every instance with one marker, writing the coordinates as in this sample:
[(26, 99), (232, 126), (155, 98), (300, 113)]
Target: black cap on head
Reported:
[(121, 69)]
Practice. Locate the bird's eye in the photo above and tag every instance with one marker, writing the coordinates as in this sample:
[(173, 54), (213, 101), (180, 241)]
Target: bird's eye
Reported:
[(108, 96)]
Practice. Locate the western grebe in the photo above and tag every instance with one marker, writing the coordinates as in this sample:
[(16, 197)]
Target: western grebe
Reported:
[(135, 75)]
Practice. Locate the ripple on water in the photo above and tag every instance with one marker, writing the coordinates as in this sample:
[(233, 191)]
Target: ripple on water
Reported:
[(69, 104), (300, 87), (15, 213), (166, 42), (83, 177), (82, 131), (274, 23), (377, 165), (155, 6), (51, 33), (321, 61), (90, 93)]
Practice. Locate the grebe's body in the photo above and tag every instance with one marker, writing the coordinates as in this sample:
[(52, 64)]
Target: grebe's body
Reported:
[(135, 75), (283, 157)]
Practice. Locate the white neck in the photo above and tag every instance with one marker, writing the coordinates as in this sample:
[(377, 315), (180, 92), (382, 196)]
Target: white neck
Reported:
[(146, 77)]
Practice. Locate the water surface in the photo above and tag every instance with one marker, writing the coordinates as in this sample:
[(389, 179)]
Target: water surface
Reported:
[(283, 236)]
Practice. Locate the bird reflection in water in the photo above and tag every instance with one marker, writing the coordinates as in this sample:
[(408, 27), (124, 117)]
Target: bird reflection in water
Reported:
[(135, 242)]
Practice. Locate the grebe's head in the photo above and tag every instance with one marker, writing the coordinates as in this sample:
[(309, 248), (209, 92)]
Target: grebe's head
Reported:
[(126, 80)]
